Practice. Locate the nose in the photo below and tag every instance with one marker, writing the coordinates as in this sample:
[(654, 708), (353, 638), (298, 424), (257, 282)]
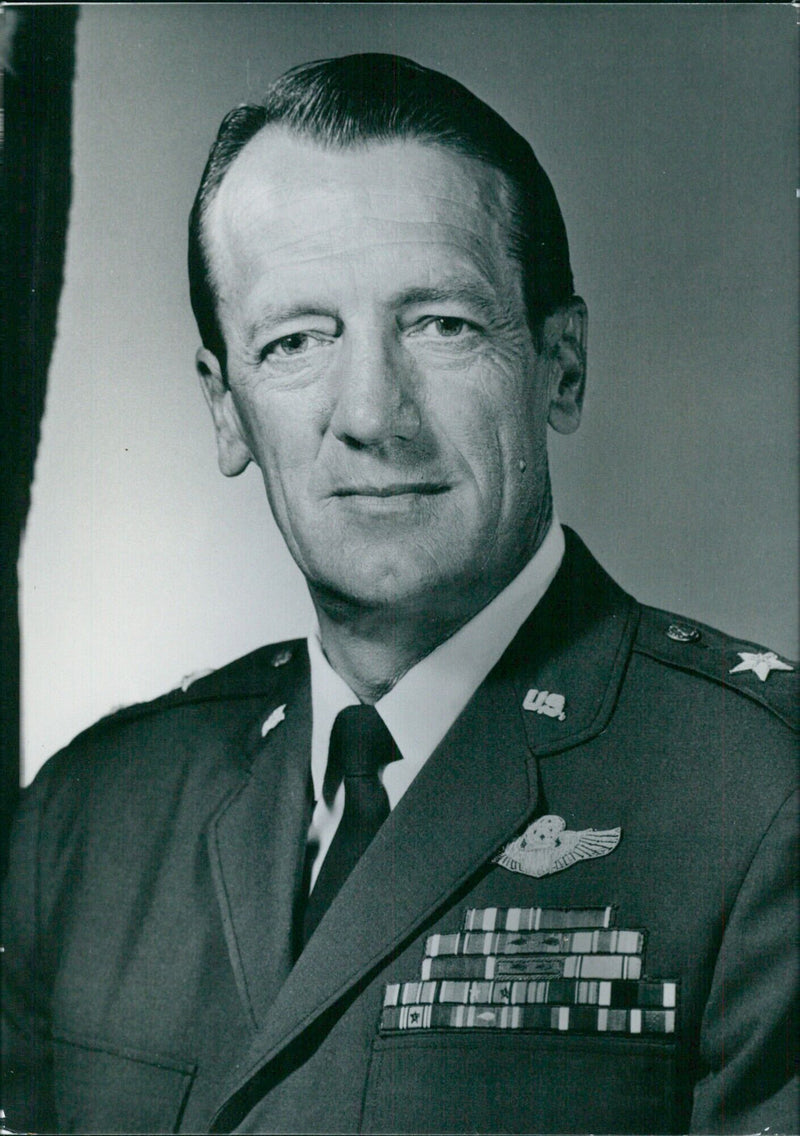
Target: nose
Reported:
[(376, 393)]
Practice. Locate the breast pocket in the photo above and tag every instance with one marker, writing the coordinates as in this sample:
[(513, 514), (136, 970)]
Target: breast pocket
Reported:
[(448, 1081), (101, 1088)]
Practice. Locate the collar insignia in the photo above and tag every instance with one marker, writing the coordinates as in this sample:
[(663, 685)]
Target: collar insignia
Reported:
[(548, 846), (545, 702), (275, 719)]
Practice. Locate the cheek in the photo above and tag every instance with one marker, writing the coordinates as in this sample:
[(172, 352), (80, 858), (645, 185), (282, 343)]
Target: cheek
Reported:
[(522, 417), (496, 420), (280, 428)]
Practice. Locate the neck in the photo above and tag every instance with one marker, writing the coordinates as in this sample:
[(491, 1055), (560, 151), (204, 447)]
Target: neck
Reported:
[(373, 647)]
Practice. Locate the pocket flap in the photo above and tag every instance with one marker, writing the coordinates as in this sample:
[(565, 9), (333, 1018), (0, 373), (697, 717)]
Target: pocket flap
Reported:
[(488, 1081), (103, 1088)]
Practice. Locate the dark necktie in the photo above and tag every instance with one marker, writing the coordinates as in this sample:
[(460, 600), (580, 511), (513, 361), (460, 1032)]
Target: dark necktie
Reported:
[(360, 746)]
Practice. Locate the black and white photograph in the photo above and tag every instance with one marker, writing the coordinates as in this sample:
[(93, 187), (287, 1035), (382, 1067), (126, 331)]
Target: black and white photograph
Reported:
[(398, 705)]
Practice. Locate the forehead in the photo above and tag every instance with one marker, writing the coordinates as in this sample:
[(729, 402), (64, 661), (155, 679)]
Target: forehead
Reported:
[(288, 203)]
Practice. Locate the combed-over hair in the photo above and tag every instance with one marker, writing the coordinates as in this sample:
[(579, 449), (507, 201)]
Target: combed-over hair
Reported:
[(357, 99)]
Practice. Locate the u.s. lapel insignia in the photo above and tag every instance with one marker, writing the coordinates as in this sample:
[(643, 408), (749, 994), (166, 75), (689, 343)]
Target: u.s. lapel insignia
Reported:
[(275, 718), (545, 702), (760, 664), (547, 846)]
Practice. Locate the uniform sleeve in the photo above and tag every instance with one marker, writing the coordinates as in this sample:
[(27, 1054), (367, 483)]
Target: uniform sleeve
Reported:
[(749, 1031), (27, 1093)]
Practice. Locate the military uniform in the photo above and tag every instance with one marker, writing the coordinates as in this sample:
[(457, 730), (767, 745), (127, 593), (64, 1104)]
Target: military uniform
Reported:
[(157, 879)]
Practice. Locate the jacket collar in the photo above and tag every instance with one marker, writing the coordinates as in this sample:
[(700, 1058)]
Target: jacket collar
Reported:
[(576, 645), (475, 792)]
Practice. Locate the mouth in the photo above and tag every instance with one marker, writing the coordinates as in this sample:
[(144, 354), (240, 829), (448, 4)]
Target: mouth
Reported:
[(394, 489), (394, 500)]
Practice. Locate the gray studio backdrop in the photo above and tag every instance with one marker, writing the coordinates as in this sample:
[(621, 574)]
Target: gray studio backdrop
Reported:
[(669, 133)]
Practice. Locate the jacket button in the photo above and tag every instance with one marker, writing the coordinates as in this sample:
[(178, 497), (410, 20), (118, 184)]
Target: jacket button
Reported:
[(282, 657), (682, 633)]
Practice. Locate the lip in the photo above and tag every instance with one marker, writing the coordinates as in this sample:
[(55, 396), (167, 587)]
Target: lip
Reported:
[(394, 489)]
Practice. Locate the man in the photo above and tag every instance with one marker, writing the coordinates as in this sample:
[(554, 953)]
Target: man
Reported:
[(238, 907)]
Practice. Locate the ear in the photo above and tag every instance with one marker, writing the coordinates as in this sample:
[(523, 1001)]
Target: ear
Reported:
[(564, 337), (233, 453)]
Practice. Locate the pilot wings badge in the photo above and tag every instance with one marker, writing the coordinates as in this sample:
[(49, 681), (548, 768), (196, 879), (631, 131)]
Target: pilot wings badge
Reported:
[(547, 846)]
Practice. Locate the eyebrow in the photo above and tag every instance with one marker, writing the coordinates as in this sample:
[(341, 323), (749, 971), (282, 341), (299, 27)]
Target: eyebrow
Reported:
[(271, 316), (468, 292), (465, 291)]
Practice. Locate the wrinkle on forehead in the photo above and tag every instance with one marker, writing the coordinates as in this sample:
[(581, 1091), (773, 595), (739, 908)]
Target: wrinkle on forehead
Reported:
[(341, 240), (306, 193)]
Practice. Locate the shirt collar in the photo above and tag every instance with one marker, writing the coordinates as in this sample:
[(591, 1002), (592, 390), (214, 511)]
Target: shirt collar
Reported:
[(425, 702)]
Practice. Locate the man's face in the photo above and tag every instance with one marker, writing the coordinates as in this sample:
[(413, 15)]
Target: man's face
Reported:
[(380, 369)]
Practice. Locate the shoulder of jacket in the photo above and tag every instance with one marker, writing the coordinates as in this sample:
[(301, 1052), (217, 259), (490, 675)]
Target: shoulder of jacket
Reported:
[(233, 694), (753, 671), (254, 675)]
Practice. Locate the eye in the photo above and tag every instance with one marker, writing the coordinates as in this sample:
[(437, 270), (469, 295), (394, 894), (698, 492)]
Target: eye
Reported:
[(449, 327), (289, 346), (438, 329)]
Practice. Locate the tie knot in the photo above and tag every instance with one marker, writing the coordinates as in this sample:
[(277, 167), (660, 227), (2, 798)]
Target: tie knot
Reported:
[(360, 742)]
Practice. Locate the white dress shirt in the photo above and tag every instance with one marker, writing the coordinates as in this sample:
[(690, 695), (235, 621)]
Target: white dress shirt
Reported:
[(423, 705)]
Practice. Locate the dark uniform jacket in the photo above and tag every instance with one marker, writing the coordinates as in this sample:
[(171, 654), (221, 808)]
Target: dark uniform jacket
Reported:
[(157, 867)]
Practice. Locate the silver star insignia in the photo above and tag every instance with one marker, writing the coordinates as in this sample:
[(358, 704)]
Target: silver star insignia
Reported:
[(760, 664)]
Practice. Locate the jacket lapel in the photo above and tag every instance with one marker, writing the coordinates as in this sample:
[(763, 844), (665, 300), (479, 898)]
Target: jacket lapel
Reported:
[(474, 793), (449, 823), (477, 788), (257, 841)]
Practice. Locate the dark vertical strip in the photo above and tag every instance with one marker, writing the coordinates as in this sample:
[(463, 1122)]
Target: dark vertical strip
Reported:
[(38, 65)]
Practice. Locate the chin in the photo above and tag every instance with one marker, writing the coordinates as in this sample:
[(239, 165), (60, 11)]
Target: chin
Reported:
[(380, 583)]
